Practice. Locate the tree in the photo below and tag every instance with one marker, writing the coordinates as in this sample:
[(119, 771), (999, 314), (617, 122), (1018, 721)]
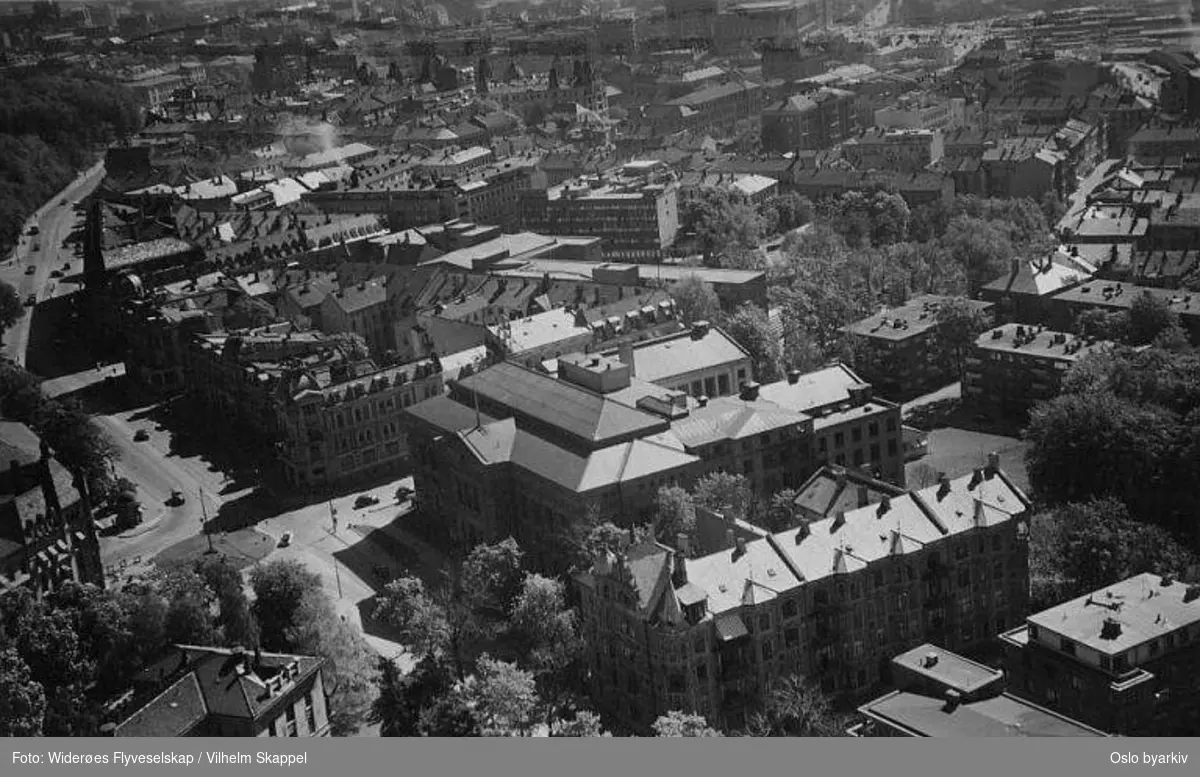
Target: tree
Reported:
[(77, 442), (235, 619), (545, 631), (421, 621), (1102, 325), (681, 724), (796, 708), (491, 576), (981, 247), (958, 325), (750, 327), (22, 699), (725, 493), (1097, 543), (402, 708), (585, 724), (1097, 444), (349, 672), (695, 299), (11, 308), (1148, 317), (502, 697), (675, 514), (781, 513), (787, 211), (279, 589)]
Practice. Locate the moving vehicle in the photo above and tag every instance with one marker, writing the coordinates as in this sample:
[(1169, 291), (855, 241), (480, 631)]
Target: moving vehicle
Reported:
[(365, 500), (176, 499), (141, 435)]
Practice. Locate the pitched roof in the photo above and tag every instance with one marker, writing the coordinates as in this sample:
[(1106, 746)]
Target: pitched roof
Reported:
[(831, 490), (730, 418), (174, 712), (582, 414), (813, 390)]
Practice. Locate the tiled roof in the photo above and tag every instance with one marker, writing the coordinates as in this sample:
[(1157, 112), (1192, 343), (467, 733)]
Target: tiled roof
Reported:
[(729, 418), (587, 416)]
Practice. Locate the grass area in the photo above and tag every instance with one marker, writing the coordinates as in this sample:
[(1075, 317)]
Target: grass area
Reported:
[(240, 549)]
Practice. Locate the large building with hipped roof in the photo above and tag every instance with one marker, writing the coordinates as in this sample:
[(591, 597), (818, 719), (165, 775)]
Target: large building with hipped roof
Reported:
[(832, 600)]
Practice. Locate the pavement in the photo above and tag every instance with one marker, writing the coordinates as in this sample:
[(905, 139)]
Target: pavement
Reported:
[(55, 222), (65, 385)]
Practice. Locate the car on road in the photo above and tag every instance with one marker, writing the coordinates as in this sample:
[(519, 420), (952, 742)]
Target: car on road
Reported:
[(31, 300), (141, 435), (176, 499), (404, 493), (30, 270), (285, 540), (34, 230), (56, 273), (365, 500)]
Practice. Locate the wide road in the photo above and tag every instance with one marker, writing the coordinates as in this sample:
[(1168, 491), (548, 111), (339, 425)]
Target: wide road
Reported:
[(55, 221), (156, 474)]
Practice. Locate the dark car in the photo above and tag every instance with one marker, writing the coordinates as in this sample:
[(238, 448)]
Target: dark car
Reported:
[(404, 493), (141, 435), (176, 499), (34, 230), (56, 273), (30, 270), (365, 500)]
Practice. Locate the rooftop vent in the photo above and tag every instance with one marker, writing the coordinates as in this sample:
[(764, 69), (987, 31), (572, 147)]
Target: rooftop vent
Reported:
[(931, 659), (1111, 629)]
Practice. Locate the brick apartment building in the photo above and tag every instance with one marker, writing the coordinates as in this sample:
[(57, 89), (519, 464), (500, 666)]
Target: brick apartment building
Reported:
[(1125, 659), (813, 121), (902, 151), (710, 109), (851, 426), (224, 692), (896, 350), (341, 423), (1013, 367), (833, 600)]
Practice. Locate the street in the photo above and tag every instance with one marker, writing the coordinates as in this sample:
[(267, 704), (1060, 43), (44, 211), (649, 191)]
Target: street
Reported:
[(55, 222)]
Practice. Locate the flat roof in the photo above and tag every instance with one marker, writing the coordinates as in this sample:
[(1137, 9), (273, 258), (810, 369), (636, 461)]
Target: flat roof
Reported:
[(1038, 341), (1000, 716), (1143, 607), (955, 671)]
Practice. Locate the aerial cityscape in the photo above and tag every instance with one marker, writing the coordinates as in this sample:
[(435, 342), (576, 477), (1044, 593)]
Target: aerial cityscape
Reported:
[(590, 368)]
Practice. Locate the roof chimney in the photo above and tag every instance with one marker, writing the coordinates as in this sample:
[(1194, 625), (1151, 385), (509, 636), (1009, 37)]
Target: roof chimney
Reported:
[(702, 401), (729, 543), (953, 698), (943, 485), (749, 391), (739, 547), (864, 495), (679, 576), (681, 542), (699, 329), (793, 377), (802, 531), (993, 465), (931, 660)]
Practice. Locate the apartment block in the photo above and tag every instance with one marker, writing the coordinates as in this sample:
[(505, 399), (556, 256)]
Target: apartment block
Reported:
[(820, 119), (902, 151), (896, 350), (1125, 658), (833, 600), (361, 309), (710, 109), (1115, 297), (1023, 294), (196, 691), (342, 423), (851, 426), (634, 209), (1014, 367)]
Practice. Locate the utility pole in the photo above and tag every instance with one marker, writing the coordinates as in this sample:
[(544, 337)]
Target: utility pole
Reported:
[(204, 522), (337, 575)]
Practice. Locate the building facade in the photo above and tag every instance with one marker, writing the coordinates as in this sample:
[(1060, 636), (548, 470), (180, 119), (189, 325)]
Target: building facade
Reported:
[(812, 121), (1125, 659), (833, 600)]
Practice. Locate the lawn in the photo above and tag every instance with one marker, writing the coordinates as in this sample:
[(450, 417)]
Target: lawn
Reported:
[(240, 549)]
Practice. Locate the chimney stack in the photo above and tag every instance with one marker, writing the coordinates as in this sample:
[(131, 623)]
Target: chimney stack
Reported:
[(681, 542), (943, 485), (740, 546), (864, 496), (793, 377), (993, 465), (802, 530), (931, 660), (679, 576), (749, 392), (699, 329), (702, 401), (953, 698)]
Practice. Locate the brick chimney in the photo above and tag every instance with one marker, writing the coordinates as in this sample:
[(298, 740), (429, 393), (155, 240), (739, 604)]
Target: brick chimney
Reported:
[(993, 465), (749, 391), (943, 485), (699, 329), (864, 496), (953, 699), (793, 376)]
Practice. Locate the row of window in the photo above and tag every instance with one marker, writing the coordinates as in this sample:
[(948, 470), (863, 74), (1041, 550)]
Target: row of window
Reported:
[(285, 725)]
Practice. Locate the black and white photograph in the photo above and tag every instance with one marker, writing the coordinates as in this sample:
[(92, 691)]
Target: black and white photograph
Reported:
[(599, 369)]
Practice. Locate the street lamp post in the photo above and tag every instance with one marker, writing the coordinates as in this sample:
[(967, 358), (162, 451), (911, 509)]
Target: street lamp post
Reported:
[(204, 523)]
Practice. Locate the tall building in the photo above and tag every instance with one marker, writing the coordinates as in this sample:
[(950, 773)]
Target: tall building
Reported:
[(1125, 659), (813, 121), (833, 600), (47, 535), (634, 209)]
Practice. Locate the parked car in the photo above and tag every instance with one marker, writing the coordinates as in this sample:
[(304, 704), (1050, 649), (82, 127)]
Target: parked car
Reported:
[(31, 300), (365, 500), (34, 230), (141, 435), (56, 273), (176, 499), (30, 270), (285, 540), (404, 493)]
